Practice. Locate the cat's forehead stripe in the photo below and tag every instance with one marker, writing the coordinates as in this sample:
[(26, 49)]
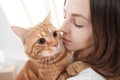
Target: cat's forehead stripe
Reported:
[(43, 29), (47, 28)]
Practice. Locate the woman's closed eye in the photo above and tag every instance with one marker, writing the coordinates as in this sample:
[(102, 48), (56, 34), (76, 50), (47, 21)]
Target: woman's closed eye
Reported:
[(74, 20), (77, 25), (79, 22)]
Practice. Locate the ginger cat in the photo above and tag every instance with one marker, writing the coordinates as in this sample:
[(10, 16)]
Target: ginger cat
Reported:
[(48, 59), (47, 55)]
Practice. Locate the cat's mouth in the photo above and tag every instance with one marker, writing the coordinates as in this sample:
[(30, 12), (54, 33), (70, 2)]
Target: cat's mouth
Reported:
[(52, 51), (55, 45)]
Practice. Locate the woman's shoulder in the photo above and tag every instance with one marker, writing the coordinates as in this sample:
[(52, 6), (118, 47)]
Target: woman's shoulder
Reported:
[(87, 74)]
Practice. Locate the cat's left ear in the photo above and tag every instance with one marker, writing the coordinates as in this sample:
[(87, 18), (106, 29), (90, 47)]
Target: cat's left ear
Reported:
[(47, 19), (20, 32)]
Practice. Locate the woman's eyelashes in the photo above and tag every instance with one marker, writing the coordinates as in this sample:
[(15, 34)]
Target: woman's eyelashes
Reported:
[(77, 25), (72, 20)]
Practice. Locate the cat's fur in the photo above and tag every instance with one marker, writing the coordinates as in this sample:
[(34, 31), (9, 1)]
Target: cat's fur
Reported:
[(73, 69), (48, 58), (43, 46)]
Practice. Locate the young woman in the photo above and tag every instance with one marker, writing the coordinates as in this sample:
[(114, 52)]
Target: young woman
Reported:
[(92, 30)]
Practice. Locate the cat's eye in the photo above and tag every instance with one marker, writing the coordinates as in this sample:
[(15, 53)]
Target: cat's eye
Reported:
[(55, 34), (41, 41)]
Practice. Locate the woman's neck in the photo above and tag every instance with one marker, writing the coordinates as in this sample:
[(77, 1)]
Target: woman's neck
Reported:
[(83, 53)]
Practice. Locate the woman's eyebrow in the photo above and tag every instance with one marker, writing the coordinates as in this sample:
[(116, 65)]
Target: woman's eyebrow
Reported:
[(77, 15)]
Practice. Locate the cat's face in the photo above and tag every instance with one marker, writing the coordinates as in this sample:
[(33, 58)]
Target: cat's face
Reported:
[(40, 41)]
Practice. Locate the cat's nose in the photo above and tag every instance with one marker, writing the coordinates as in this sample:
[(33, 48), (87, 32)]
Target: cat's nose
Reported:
[(55, 45)]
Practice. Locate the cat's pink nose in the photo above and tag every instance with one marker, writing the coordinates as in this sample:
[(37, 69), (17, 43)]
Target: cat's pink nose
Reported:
[(55, 45)]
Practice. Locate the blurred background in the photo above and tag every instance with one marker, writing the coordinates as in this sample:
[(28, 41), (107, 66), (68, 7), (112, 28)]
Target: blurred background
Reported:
[(23, 13)]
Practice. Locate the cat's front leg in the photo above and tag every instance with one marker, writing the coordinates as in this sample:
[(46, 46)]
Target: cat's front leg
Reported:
[(76, 67), (63, 76), (72, 70)]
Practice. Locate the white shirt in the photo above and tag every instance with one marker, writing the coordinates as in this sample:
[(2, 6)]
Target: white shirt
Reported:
[(87, 74)]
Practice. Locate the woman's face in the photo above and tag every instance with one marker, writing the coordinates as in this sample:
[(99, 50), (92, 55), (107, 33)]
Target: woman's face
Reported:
[(77, 29)]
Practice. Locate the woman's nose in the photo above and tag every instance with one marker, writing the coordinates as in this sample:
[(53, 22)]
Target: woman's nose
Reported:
[(64, 28)]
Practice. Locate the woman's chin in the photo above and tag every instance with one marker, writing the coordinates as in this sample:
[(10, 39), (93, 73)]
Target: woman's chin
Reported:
[(69, 48)]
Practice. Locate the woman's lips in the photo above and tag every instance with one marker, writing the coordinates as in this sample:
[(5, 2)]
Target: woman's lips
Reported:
[(66, 40)]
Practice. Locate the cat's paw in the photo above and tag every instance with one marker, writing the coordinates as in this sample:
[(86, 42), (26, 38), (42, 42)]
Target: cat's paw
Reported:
[(76, 67)]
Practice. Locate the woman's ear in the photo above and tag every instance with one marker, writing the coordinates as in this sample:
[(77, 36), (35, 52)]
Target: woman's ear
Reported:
[(20, 32)]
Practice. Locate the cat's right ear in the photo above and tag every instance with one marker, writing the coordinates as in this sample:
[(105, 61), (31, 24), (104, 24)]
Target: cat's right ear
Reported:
[(47, 19), (20, 32)]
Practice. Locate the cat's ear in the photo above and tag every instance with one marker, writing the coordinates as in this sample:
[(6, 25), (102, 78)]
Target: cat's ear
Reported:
[(47, 19), (20, 32)]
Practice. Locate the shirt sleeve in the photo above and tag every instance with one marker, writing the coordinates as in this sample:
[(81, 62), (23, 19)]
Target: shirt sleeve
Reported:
[(87, 74)]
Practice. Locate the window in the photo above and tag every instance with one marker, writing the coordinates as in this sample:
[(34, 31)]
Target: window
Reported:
[(26, 13)]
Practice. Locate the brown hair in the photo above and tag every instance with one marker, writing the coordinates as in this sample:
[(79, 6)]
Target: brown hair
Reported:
[(105, 19)]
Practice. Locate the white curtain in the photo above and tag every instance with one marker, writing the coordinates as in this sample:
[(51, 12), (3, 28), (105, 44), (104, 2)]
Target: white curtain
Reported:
[(26, 13)]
